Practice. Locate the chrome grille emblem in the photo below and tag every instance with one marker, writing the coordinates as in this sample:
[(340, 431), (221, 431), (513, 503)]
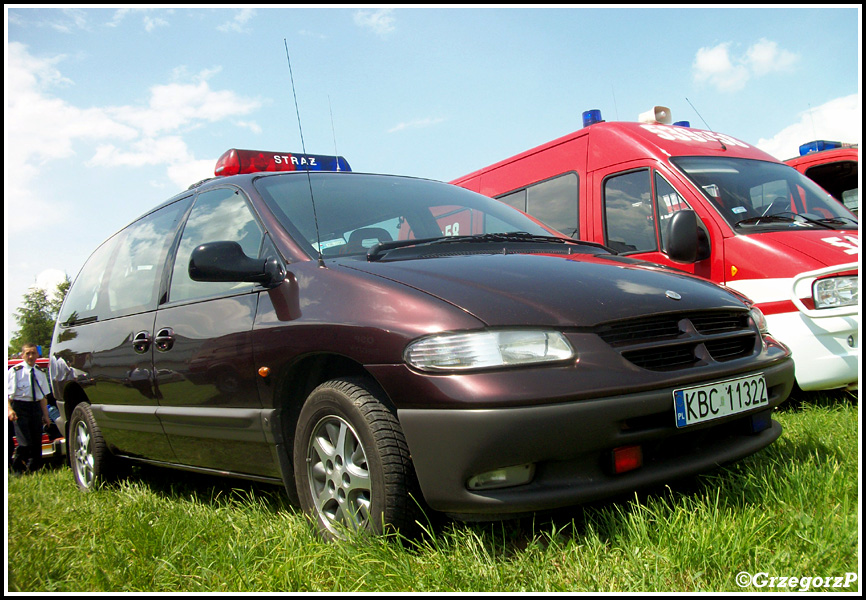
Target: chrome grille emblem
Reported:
[(673, 295)]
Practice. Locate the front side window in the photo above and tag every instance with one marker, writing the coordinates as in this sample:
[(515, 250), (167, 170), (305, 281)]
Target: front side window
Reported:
[(628, 212), (754, 195), (220, 215), (668, 202)]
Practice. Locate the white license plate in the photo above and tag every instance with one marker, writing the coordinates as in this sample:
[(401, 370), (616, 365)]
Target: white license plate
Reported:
[(716, 400)]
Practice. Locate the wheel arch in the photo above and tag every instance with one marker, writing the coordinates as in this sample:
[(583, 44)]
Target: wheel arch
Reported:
[(73, 395), (292, 387)]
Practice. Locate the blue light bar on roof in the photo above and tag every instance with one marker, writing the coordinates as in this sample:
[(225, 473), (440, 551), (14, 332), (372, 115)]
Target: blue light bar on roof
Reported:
[(590, 117), (818, 146)]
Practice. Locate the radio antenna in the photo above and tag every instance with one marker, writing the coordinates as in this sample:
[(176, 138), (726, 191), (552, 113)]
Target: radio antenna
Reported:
[(705, 123), (304, 149), (334, 133)]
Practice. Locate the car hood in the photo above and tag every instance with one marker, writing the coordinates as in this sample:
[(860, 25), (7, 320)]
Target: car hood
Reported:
[(551, 290)]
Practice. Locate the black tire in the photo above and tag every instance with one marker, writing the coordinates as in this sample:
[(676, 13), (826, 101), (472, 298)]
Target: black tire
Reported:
[(352, 464), (89, 456)]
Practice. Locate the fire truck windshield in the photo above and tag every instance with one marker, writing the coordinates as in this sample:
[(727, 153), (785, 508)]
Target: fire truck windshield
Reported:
[(754, 195)]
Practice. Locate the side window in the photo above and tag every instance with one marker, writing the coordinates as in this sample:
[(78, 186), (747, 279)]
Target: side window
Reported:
[(516, 199), (628, 212), (553, 202), (138, 260), (218, 215), (668, 201), (83, 299), (838, 178)]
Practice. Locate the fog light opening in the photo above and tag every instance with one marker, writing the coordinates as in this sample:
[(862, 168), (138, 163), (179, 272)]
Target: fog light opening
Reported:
[(626, 458), (760, 422), (502, 478)]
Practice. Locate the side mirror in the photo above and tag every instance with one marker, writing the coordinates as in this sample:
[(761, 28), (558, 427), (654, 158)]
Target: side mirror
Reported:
[(686, 241), (226, 261)]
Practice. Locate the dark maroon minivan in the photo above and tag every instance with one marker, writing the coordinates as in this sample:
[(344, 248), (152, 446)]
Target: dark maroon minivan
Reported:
[(378, 343)]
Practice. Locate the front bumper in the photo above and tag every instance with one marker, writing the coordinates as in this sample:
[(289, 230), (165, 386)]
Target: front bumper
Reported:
[(826, 351), (570, 444)]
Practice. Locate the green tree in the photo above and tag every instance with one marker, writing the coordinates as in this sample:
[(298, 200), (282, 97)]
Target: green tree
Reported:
[(36, 317)]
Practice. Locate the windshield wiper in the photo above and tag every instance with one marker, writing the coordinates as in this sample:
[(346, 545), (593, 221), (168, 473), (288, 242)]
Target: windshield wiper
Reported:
[(788, 219), (837, 220), (379, 250)]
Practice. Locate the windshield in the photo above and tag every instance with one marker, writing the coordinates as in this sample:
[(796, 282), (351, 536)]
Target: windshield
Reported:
[(355, 212), (754, 195)]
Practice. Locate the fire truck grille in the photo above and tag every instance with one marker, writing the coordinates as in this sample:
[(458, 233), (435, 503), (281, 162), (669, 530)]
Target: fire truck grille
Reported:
[(682, 340)]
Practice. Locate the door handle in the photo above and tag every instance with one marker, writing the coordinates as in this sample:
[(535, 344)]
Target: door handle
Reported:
[(164, 339), (141, 342)]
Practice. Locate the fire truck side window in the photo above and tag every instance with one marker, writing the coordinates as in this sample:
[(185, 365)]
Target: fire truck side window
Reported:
[(516, 199), (554, 202), (628, 212)]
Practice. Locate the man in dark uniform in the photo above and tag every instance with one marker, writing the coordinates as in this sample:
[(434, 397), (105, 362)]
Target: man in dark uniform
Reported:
[(28, 409)]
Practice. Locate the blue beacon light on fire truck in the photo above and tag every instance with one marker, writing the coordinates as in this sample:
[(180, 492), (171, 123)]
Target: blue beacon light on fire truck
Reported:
[(591, 117), (819, 146), (235, 162)]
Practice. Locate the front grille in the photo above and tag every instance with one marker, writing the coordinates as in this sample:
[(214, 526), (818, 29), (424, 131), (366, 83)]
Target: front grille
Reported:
[(681, 340)]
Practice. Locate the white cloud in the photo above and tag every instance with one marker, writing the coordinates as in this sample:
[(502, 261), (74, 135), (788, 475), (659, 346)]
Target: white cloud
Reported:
[(765, 57), (70, 19), (148, 151), (714, 65), (176, 105), (718, 67), (43, 128), (150, 23), (239, 22), (380, 22), (837, 120), (251, 125), (49, 279), (416, 124), (185, 172)]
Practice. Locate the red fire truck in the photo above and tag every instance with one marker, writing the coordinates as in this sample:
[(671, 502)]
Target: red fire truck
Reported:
[(711, 205), (833, 166)]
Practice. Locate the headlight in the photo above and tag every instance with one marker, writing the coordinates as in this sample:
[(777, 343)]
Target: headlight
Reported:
[(759, 319), (487, 349), (835, 291)]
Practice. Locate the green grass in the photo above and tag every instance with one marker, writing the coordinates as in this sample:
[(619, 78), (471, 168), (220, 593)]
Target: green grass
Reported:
[(790, 510)]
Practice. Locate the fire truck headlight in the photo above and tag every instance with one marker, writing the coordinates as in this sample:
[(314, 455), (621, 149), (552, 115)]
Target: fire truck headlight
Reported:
[(836, 291)]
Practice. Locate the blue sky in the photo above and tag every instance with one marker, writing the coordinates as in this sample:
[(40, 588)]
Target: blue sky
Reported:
[(110, 111)]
